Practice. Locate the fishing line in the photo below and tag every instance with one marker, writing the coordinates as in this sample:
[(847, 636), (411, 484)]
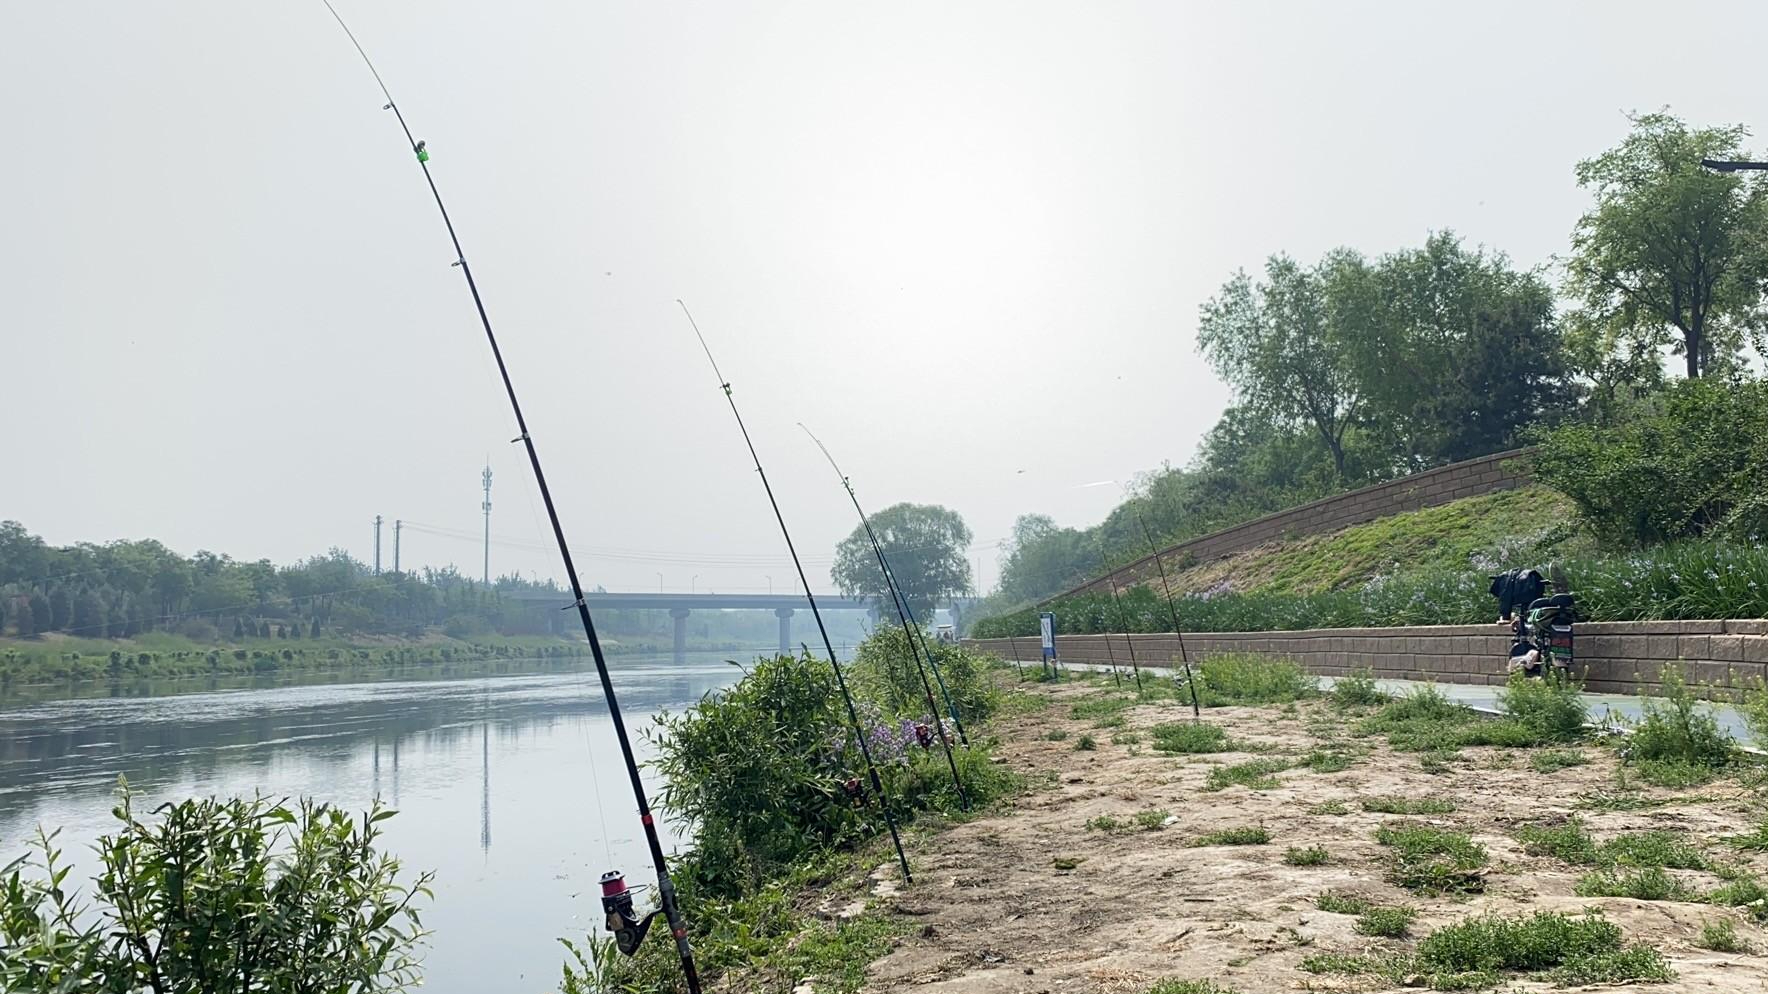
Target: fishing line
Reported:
[(859, 734), (1196, 710), (1129, 643), (628, 929), (904, 616)]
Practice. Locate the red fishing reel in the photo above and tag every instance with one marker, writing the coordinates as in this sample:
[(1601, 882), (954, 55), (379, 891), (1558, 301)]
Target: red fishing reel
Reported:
[(923, 734), (629, 929), (855, 791)]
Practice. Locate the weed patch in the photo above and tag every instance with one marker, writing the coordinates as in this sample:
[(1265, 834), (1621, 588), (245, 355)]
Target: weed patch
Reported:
[(1244, 678), (1433, 860), (1554, 760), (1564, 948), (1152, 820), (1550, 708), (1311, 856), (1190, 987), (1342, 904), (1651, 883), (1408, 805), (1387, 923), (1253, 835), (1357, 689), (1086, 743), (1330, 808), (1324, 761), (1257, 774), (1675, 730), (1187, 737), (1056, 734), (1720, 936)]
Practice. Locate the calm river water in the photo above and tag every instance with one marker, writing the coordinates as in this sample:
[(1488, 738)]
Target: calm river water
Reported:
[(496, 779)]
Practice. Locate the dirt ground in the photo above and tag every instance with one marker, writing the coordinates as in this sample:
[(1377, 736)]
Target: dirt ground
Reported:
[(995, 909)]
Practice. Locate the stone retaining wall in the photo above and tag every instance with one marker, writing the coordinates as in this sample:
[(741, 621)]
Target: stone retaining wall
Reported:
[(1487, 474), (1619, 657)]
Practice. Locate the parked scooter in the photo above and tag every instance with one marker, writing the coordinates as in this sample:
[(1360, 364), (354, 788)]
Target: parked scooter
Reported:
[(1543, 633)]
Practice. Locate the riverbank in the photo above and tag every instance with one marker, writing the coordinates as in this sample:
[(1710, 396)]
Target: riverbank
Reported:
[(1281, 861)]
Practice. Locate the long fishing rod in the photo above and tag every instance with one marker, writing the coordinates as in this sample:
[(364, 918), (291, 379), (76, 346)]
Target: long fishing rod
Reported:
[(852, 713), (1109, 652), (629, 930), (1128, 642), (1014, 642), (908, 626), (911, 624), (1196, 710)]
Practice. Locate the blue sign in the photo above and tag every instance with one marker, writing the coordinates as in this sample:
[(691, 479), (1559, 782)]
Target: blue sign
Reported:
[(1046, 623)]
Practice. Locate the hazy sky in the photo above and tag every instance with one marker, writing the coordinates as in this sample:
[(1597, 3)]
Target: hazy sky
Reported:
[(965, 242)]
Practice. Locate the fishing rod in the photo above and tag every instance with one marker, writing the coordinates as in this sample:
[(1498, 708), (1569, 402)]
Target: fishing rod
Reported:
[(629, 930), (852, 713), (1109, 652), (1196, 710), (909, 627), (911, 624), (1014, 642), (1128, 642)]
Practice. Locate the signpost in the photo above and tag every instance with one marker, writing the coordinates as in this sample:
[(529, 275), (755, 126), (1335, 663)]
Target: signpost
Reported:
[(1046, 623)]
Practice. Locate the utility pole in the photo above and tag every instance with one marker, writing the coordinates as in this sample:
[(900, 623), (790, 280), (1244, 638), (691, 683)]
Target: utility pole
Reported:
[(486, 507), (397, 524), (377, 545)]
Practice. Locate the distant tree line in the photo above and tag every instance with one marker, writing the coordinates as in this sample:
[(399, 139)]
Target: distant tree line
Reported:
[(1349, 369), (123, 589)]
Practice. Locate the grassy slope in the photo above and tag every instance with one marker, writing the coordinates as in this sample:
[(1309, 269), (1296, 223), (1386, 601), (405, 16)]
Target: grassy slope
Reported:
[(1519, 528)]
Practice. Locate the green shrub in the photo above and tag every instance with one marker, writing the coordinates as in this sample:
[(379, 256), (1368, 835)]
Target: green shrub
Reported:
[(1105, 823), (1656, 848), (1325, 761), (1248, 836), (1720, 936), (885, 670), (1189, 737), (1056, 734), (1257, 774), (1311, 856), (1189, 987), (1357, 689), (1086, 743), (296, 899), (1244, 678), (1570, 842), (1389, 923), (1550, 708), (1675, 729), (1152, 820), (1742, 892), (1329, 808), (1686, 465)]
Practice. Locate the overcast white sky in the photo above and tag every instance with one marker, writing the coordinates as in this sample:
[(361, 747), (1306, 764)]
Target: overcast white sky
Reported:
[(960, 240)]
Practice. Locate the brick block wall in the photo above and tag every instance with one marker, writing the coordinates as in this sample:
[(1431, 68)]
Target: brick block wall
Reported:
[(1487, 474), (1618, 657)]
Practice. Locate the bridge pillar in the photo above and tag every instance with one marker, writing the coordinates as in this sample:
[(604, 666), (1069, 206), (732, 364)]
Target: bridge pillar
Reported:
[(680, 614), (785, 616)]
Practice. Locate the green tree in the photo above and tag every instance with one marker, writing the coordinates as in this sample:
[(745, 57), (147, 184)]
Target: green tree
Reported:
[(927, 547), (1459, 352), (23, 621), (1041, 558), (42, 616), (1278, 346), (61, 608), (1671, 253), (89, 617)]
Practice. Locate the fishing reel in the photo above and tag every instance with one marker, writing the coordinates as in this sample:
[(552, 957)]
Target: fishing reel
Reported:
[(629, 929), (923, 735), (855, 791)]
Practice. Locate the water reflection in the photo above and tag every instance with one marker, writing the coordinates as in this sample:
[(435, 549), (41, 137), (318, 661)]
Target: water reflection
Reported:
[(426, 746)]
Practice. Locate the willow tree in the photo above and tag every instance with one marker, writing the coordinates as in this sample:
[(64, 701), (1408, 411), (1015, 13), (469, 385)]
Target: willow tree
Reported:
[(927, 548)]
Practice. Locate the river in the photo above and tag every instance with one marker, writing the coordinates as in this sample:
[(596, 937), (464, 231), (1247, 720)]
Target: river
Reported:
[(509, 785)]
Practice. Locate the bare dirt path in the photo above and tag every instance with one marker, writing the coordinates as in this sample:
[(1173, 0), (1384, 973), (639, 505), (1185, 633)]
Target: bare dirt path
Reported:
[(1033, 900)]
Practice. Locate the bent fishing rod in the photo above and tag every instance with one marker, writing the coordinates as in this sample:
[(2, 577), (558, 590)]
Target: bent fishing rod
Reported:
[(909, 627), (1196, 710), (840, 680), (629, 930)]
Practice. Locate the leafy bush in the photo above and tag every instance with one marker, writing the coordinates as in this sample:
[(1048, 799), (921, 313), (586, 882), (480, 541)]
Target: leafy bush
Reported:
[(886, 669), (1554, 760), (1086, 743), (1691, 464), (1357, 689), (1720, 936), (1311, 856), (1570, 842), (1342, 904), (1551, 708), (1651, 883), (295, 899), (1674, 728), (1245, 678)]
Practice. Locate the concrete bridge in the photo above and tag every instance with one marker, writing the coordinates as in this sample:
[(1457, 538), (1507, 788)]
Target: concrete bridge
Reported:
[(679, 606)]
